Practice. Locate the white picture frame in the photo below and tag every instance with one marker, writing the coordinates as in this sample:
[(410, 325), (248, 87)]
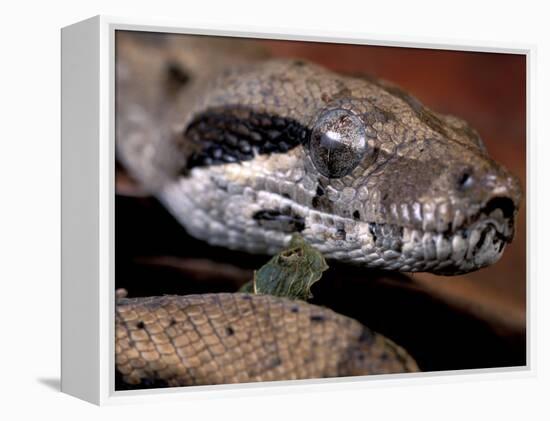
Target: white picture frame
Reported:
[(88, 214)]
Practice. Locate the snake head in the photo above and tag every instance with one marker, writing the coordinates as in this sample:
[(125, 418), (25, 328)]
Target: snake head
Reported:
[(430, 196), (364, 171), (423, 183)]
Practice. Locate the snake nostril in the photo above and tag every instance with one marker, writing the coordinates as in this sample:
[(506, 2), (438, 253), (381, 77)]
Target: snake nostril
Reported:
[(177, 74), (465, 180), (503, 203)]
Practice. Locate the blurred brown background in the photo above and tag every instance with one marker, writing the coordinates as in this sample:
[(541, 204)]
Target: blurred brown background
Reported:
[(470, 321)]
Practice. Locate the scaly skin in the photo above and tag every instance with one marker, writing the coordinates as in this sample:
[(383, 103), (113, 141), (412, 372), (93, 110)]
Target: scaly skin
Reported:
[(244, 151), (234, 338), (233, 144)]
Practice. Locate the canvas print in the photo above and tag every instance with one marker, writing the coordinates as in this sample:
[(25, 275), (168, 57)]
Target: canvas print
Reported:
[(296, 210)]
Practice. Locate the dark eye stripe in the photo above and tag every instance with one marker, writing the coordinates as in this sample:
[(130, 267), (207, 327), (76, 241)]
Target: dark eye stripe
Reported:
[(234, 134)]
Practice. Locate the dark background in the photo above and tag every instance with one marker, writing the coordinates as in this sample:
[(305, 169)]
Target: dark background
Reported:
[(469, 321)]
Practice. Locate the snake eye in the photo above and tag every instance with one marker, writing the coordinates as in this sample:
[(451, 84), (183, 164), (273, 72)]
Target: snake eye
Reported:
[(337, 143)]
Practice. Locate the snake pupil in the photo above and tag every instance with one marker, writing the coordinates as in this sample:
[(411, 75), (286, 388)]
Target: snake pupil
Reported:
[(337, 143)]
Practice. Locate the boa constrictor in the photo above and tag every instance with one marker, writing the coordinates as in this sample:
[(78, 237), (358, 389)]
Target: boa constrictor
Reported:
[(246, 150)]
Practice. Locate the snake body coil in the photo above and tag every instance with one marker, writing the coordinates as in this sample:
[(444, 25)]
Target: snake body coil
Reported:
[(235, 338)]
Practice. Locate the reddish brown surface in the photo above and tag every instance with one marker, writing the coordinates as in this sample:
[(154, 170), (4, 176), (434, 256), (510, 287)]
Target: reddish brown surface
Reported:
[(489, 91)]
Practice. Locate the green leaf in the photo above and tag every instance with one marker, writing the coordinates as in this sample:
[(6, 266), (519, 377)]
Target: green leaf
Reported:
[(291, 273)]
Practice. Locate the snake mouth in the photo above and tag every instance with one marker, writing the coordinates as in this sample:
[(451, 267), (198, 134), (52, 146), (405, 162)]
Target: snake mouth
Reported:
[(505, 204), (499, 214), (463, 251), (478, 243)]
